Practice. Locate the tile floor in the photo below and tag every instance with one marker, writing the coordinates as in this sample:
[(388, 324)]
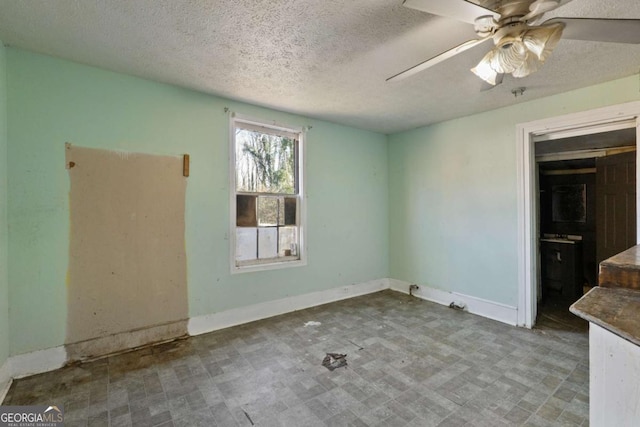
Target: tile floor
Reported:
[(410, 363)]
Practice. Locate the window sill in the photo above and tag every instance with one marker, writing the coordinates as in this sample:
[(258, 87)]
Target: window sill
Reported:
[(268, 264)]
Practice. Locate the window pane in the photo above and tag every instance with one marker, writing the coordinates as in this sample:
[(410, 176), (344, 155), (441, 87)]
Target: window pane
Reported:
[(246, 244), (267, 242), (246, 211), (290, 207), (265, 163), (288, 241), (268, 211)]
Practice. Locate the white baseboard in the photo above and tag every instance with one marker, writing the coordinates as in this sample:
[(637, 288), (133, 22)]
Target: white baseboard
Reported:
[(237, 316), (37, 362), (5, 380), (53, 358), (489, 309)]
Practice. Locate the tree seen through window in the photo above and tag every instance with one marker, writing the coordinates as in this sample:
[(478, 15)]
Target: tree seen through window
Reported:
[(265, 163)]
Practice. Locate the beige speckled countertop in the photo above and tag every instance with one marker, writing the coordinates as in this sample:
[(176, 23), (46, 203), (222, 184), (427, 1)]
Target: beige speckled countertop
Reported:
[(616, 309)]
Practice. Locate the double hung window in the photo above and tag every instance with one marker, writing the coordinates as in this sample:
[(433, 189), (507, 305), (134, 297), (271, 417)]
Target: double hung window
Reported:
[(267, 193)]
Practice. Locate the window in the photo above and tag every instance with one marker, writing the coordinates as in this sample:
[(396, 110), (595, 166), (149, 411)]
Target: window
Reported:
[(267, 195)]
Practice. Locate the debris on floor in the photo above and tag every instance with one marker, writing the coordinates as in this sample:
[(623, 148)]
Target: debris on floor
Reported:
[(357, 345), (248, 417), (312, 323), (457, 305), (334, 360)]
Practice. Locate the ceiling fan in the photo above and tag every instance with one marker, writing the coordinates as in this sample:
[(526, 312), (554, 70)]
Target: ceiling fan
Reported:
[(522, 42)]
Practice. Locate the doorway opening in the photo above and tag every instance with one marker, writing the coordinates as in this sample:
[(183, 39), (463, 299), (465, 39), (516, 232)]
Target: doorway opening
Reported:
[(586, 213), (567, 130)]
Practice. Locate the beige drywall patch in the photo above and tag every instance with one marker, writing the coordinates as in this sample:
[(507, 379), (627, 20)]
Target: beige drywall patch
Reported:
[(127, 261)]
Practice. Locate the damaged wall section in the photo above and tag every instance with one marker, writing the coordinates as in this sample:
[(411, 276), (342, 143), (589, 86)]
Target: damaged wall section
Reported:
[(127, 259)]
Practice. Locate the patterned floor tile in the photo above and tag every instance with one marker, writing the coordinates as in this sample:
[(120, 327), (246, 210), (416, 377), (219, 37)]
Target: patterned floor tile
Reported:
[(409, 363)]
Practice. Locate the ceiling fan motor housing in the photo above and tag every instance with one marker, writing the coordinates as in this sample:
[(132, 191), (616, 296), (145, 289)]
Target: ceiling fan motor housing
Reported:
[(485, 26), (509, 33)]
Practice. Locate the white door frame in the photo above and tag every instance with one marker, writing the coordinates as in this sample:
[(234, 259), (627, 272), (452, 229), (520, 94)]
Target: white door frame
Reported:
[(587, 122)]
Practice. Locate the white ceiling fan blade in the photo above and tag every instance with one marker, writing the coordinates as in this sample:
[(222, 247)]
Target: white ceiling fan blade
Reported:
[(600, 30), (437, 59), (460, 10)]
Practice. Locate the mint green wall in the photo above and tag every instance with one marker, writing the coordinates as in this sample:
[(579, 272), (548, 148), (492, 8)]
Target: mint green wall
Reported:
[(434, 206), (4, 275), (452, 194), (52, 101)]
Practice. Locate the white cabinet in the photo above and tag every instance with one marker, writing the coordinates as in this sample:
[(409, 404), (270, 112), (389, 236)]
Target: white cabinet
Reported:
[(614, 386)]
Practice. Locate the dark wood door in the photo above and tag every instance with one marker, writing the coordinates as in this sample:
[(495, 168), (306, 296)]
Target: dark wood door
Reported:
[(615, 204)]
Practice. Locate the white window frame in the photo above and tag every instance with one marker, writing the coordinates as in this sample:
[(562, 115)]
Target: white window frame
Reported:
[(302, 202)]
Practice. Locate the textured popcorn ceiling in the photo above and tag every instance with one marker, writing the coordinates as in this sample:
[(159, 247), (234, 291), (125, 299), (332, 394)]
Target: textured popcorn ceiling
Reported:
[(322, 58)]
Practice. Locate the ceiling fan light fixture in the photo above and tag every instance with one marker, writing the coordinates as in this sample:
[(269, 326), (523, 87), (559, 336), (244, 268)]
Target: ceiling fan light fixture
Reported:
[(509, 55), (485, 72), (523, 41), (542, 40), (520, 54), (530, 65)]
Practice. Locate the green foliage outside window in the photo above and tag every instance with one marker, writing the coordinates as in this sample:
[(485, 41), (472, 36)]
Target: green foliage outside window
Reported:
[(265, 163)]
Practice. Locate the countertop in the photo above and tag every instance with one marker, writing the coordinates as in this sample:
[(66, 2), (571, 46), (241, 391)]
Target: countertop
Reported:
[(615, 309), (615, 304), (566, 241), (622, 270)]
